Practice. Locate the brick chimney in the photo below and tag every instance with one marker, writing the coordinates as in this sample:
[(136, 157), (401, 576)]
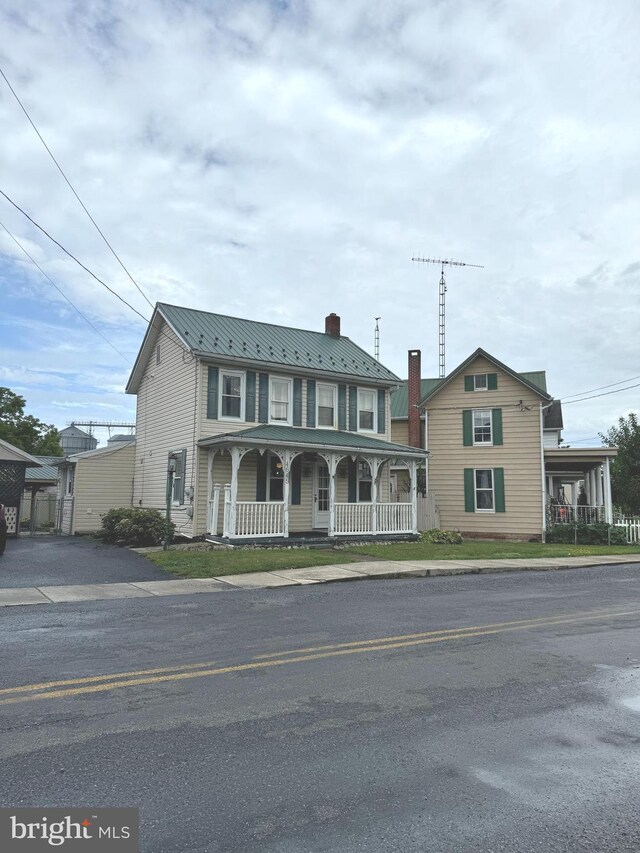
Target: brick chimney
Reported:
[(332, 325), (414, 393)]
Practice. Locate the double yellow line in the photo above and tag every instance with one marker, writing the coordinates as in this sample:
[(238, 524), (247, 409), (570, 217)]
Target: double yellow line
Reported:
[(62, 689)]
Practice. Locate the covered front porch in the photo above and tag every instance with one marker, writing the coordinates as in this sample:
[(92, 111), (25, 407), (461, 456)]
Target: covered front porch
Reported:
[(578, 485), (279, 483)]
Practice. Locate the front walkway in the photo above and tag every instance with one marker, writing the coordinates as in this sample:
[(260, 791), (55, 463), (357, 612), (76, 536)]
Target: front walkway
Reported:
[(299, 577)]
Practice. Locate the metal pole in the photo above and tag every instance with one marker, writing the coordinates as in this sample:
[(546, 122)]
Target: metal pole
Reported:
[(170, 472)]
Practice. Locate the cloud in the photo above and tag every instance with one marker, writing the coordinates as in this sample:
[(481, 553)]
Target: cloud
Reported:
[(283, 160)]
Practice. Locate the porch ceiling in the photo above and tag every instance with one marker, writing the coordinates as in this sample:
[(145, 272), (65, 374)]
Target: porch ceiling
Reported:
[(571, 456), (269, 435)]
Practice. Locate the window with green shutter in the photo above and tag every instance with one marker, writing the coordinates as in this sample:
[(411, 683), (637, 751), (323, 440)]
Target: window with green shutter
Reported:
[(484, 490), (496, 425)]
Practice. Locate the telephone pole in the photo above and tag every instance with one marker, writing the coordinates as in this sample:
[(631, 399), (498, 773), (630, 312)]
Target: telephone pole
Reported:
[(443, 290)]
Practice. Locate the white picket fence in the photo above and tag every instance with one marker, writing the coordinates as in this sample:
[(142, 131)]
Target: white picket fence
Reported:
[(631, 527), (428, 515)]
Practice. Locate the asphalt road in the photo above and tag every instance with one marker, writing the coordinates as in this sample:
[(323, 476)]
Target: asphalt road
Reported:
[(488, 713)]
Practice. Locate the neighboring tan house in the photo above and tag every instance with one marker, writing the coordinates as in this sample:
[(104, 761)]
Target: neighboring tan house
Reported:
[(274, 431), (92, 483), (495, 466)]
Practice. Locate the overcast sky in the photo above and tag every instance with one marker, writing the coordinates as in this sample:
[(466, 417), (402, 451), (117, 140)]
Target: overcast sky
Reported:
[(282, 160)]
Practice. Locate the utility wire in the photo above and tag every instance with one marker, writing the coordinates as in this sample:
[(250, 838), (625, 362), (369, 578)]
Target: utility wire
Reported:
[(63, 294), (602, 387), (605, 394), (69, 184)]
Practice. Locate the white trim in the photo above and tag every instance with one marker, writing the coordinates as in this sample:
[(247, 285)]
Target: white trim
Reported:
[(374, 409), (493, 491), (271, 454), (242, 376), (289, 383), (334, 388), (179, 455), (360, 479), (486, 387), (473, 428)]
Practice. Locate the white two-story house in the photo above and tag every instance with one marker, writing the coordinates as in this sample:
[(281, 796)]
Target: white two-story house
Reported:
[(276, 431)]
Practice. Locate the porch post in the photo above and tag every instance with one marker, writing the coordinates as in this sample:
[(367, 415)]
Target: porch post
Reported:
[(226, 527), (236, 457), (214, 509), (287, 457), (374, 466), (599, 500), (413, 471), (332, 460), (608, 506)]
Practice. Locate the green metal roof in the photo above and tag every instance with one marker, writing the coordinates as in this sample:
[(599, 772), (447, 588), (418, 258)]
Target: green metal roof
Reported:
[(537, 378), (299, 436), (400, 396), (49, 471), (233, 337)]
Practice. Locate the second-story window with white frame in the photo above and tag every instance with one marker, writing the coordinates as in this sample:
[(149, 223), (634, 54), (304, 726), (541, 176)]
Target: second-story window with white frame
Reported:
[(232, 395), (367, 410), (280, 391), (480, 382), (326, 402), (482, 433)]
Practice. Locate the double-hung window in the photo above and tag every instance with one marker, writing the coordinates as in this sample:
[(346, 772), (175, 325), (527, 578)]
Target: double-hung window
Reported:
[(480, 382), (484, 498), (177, 487), (326, 402), (232, 395), (482, 433), (366, 410), (280, 401)]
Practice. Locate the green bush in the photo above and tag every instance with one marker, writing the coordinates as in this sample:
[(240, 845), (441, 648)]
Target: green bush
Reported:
[(586, 534), (442, 537), (138, 527)]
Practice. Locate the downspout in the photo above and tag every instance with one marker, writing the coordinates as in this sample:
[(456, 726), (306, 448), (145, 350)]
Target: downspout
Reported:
[(543, 473)]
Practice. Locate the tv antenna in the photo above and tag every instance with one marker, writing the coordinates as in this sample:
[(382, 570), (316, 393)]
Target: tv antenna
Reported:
[(376, 341), (443, 290)]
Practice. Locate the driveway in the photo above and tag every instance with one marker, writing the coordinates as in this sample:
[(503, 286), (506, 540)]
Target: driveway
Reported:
[(56, 560)]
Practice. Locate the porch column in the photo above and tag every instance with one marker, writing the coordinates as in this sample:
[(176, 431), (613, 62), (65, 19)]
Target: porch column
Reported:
[(214, 509), (374, 463), (286, 457), (236, 458), (226, 527), (332, 460), (599, 500), (608, 506), (413, 472)]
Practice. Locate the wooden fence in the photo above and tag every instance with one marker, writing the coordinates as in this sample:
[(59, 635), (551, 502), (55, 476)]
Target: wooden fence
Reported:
[(428, 515)]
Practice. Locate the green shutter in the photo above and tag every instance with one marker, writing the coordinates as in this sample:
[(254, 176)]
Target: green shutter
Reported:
[(261, 476), (496, 426), (342, 406), (212, 393), (296, 480), (498, 489), (250, 397), (492, 381), (297, 403), (353, 482), (353, 408), (469, 491), (382, 411), (263, 398), (467, 428), (468, 383), (311, 402)]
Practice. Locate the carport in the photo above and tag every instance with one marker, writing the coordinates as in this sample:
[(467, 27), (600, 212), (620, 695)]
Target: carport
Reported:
[(13, 464)]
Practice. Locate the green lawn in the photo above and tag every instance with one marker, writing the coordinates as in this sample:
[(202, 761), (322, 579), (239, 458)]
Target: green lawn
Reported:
[(204, 564)]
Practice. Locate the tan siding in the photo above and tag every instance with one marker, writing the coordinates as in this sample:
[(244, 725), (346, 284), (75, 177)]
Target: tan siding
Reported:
[(400, 432), (165, 422), (519, 456), (102, 483)]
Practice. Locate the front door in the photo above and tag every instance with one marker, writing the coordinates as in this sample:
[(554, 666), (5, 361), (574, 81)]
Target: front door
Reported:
[(321, 496)]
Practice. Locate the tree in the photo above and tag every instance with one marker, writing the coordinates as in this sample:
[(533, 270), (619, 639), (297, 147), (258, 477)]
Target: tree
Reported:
[(25, 431), (625, 468)]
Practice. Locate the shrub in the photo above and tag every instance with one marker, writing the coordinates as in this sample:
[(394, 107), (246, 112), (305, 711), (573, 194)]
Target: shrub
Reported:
[(139, 527), (587, 534), (442, 537)]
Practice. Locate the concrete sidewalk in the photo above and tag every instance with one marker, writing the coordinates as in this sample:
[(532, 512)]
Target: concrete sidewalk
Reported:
[(298, 577)]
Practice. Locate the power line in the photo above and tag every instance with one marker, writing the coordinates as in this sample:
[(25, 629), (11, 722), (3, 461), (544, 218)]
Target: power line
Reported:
[(69, 184), (63, 294), (605, 394), (602, 387)]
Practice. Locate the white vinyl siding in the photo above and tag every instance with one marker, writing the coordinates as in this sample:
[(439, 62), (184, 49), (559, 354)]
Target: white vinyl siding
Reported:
[(103, 482)]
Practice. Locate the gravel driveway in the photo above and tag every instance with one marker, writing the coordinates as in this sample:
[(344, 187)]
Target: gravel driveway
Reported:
[(56, 560)]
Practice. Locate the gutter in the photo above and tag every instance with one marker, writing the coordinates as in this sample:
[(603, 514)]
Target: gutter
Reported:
[(336, 448)]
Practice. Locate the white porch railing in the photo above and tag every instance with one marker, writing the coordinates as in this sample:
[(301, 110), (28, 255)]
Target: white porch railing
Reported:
[(631, 527), (566, 514), (352, 518), (259, 518), (394, 518)]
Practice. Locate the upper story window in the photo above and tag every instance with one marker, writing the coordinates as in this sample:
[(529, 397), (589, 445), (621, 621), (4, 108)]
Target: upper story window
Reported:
[(326, 403), (480, 382), (280, 401), (367, 410), (232, 395), (482, 432)]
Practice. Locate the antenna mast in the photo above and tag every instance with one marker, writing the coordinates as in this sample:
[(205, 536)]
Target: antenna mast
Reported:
[(443, 290), (376, 343)]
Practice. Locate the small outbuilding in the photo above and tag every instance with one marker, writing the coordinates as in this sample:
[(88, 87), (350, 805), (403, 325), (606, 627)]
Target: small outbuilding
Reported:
[(13, 464)]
